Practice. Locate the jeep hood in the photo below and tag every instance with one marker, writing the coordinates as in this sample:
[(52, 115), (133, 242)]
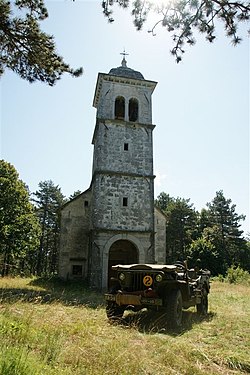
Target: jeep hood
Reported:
[(145, 267)]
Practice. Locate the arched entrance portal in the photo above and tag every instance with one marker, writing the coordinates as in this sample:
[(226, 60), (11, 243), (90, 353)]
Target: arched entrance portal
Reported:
[(121, 252)]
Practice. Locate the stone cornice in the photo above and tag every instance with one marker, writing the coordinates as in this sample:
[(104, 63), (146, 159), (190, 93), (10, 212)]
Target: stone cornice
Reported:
[(105, 122), (121, 174), (119, 79)]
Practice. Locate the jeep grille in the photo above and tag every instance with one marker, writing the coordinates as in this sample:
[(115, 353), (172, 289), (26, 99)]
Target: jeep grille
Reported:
[(138, 280)]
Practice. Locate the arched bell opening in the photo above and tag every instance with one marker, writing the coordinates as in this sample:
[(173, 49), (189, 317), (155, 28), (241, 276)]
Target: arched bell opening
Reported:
[(120, 108), (133, 110)]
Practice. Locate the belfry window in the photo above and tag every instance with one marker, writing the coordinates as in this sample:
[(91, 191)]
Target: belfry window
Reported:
[(120, 108), (125, 201), (133, 110)]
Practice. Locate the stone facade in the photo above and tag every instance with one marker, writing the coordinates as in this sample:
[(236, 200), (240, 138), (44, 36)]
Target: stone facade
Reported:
[(114, 220), (74, 238)]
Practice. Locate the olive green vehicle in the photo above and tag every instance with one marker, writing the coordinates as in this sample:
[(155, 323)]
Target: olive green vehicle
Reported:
[(166, 288)]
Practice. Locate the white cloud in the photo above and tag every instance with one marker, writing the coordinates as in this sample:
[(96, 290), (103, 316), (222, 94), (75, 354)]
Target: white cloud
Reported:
[(159, 179)]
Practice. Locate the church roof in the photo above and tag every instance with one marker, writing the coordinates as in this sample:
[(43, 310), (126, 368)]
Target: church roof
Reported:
[(124, 71)]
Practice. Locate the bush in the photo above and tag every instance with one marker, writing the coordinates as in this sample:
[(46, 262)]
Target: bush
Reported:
[(237, 276), (219, 278)]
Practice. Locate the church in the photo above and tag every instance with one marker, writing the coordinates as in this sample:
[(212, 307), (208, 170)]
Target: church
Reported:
[(115, 221)]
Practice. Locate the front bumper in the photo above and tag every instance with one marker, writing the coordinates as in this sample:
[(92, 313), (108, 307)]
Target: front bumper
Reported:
[(130, 299)]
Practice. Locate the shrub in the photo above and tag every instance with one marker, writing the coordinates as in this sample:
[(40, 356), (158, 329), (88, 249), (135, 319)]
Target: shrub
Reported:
[(219, 278), (236, 275)]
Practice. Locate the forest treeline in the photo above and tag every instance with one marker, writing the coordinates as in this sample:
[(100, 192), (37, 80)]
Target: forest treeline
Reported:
[(211, 238), (30, 229)]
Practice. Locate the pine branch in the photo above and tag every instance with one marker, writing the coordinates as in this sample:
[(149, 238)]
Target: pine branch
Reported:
[(182, 17)]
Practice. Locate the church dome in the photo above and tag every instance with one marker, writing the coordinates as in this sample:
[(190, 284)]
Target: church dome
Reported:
[(124, 71)]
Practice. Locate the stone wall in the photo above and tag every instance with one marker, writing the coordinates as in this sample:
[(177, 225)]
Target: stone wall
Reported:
[(100, 247), (110, 153), (109, 210), (112, 86)]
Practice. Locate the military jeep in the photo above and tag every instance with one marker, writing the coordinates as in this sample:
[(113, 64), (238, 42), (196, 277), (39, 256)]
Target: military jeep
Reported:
[(166, 288)]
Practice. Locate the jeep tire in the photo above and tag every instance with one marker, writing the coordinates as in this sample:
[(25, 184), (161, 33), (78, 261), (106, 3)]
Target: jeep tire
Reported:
[(202, 308), (174, 309), (114, 311)]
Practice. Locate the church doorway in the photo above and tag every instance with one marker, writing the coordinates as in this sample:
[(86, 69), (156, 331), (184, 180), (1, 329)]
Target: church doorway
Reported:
[(121, 252)]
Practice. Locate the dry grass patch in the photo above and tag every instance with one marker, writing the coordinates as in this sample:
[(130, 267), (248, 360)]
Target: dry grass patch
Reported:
[(67, 332)]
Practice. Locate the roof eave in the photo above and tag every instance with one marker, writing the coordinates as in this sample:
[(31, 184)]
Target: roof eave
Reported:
[(119, 79)]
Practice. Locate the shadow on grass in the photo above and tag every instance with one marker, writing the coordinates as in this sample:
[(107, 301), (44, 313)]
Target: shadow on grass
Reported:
[(155, 322), (53, 290)]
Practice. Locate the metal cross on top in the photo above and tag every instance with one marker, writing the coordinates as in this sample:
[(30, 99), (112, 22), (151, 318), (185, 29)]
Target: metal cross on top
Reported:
[(124, 62), (124, 53)]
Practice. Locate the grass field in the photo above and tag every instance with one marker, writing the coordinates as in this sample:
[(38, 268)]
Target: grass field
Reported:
[(47, 327)]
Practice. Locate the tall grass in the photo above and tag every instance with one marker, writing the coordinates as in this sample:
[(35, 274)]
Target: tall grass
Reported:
[(48, 327)]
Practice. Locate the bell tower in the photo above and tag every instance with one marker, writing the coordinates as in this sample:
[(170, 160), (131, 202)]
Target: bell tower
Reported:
[(122, 212)]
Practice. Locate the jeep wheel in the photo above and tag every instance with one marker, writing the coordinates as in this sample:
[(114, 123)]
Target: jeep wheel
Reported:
[(114, 311), (202, 308), (174, 309)]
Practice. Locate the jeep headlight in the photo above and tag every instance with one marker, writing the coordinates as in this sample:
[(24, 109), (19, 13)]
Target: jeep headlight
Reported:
[(158, 278), (121, 276)]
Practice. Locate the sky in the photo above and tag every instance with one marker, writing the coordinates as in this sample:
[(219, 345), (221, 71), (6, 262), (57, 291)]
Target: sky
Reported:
[(200, 108)]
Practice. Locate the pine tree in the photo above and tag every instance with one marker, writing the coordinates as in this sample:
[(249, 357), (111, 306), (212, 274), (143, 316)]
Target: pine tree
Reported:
[(224, 231), (48, 200), (181, 226), (24, 47), (163, 200)]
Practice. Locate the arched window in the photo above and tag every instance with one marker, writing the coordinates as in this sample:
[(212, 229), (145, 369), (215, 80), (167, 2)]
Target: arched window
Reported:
[(133, 110), (120, 108)]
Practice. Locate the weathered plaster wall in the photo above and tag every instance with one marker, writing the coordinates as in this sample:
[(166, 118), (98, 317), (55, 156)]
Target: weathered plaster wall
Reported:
[(160, 237), (74, 239)]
